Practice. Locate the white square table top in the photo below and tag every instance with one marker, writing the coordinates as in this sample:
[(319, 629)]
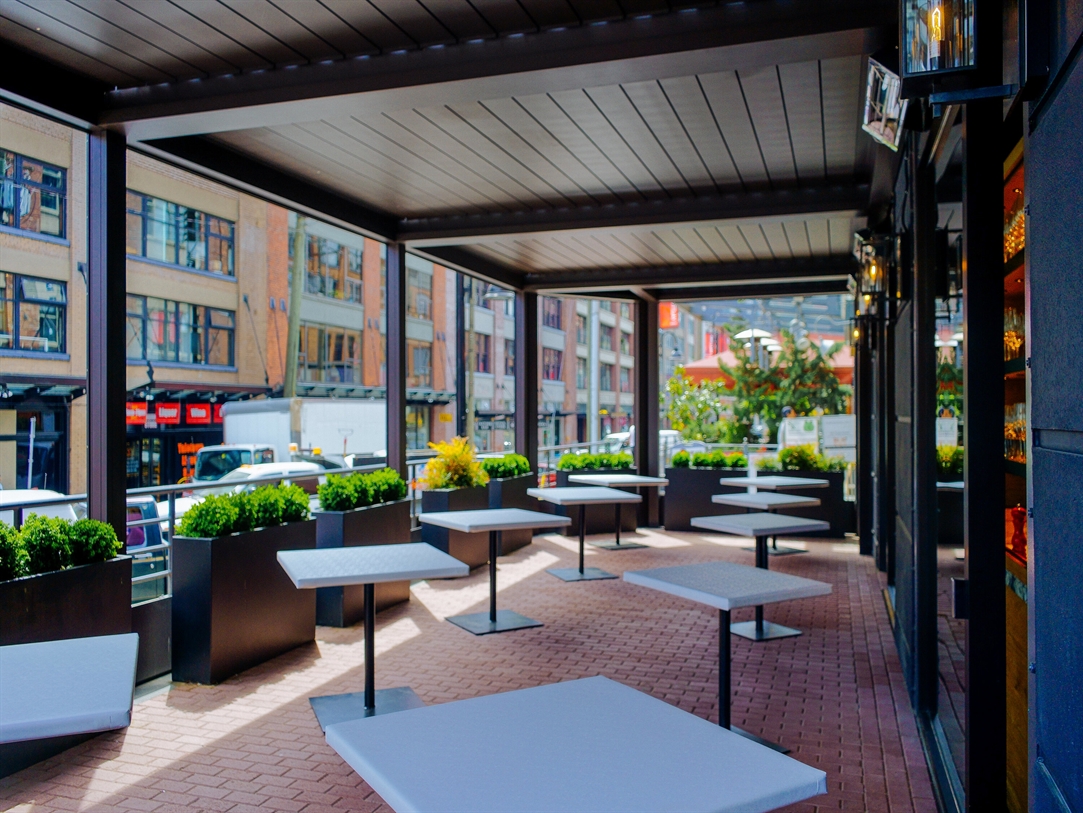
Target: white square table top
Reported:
[(370, 564), (74, 686), (765, 500), (950, 485), (617, 480), (591, 746), (727, 585), (773, 482), (759, 524), (493, 519), (583, 495)]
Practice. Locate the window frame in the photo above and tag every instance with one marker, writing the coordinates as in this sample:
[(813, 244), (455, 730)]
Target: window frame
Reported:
[(552, 312), (552, 364), (18, 182), (177, 221), (17, 298), (203, 326)]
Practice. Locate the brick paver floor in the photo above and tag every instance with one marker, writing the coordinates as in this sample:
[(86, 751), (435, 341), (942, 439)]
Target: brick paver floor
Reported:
[(835, 695)]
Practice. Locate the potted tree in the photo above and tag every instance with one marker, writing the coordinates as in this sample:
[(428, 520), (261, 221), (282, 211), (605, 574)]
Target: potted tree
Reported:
[(62, 580), (454, 480), (360, 509), (509, 478), (693, 480), (233, 605), (599, 518)]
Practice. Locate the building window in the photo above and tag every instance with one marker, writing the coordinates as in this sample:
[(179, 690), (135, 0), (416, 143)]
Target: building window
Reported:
[(179, 235), (418, 363), (581, 380), (418, 294), (626, 379), (33, 314), (582, 335), (626, 343), (332, 269), (33, 195), (606, 376), (552, 364), (418, 423), (606, 337), (509, 357), (551, 313), (329, 354), (626, 310), (606, 305), (483, 348), (162, 330)]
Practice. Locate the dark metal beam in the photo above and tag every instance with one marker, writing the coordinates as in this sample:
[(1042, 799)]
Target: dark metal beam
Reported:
[(467, 262), (646, 403), (731, 36), (838, 267), (396, 358), (47, 88), (814, 199), (526, 376), (749, 291)]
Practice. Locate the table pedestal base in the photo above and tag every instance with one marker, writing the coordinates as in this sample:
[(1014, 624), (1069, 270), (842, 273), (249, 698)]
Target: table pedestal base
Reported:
[(482, 624), (572, 574), (339, 708), (776, 551), (766, 632), (774, 746), (616, 545)]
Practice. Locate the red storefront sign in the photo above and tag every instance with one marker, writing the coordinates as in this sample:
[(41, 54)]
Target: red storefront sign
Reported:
[(135, 413), (169, 412), (217, 412), (197, 413), (668, 315)]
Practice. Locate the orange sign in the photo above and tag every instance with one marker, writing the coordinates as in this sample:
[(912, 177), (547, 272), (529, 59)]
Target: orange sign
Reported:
[(135, 413), (669, 316), (197, 413), (217, 413), (169, 412)]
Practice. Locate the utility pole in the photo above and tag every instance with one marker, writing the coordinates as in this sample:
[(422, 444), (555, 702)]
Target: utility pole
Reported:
[(297, 287)]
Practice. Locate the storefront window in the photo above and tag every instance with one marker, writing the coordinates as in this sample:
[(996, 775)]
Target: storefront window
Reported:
[(552, 364), (33, 195), (179, 235), (33, 314), (162, 330)]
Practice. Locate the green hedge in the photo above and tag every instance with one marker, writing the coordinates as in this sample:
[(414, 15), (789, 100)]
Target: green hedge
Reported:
[(223, 514), (801, 458), (345, 492), (718, 459), (602, 460), (510, 465), (45, 544)]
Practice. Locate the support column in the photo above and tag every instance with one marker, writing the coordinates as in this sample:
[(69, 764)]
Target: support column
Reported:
[(106, 319), (885, 443), (646, 407), (526, 376), (866, 456), (396, 358)]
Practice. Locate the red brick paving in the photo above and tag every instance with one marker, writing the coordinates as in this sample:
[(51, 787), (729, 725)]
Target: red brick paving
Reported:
[(835, 695)]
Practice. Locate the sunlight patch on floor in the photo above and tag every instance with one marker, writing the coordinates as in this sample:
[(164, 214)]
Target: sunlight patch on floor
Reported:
[(455, 596)]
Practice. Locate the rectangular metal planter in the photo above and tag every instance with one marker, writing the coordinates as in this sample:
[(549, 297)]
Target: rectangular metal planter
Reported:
[(600, 519), (832, 508), (473, 549), (510, 492), (384, 524), (75, 603), (689, 495), (233, 606)]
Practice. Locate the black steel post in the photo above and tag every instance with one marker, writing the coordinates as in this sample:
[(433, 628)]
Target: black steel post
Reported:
[(866, 456), (646, 404), (396, 358), (370, 646), (106, 320), (460, 353), (494, 549), (724, 668), (582, 535), (526, 376), (761, 562), (618, 522)]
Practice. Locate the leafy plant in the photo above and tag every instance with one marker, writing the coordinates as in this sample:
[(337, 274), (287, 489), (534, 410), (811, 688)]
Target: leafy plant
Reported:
[(47, 543), (294, 503), (245, 521), (697, 411), (681, 460), (388, 485), (949, 462), (265, 506), (455, 466), (13, 558), (510, 465), (93, 541), (215, 516), (338, 493), (799, 458), (602, 460), (769, 463), (364, 490)]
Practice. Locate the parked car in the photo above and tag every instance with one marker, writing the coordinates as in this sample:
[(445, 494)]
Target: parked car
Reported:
[(214, 462), (307, 475), (143, 544), (21, 495)]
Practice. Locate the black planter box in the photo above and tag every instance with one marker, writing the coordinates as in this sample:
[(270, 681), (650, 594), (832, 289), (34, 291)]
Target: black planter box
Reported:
[(233, 606), (689, 495), (79, 602), (472, 549), (832, 508), (949, 526), (384, 524), (601, 519), (510, 492)]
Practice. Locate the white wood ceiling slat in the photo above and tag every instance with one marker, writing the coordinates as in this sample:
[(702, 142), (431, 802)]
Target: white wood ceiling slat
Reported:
[(701, 252), (841, 232), (502, 254), (801, 94), (842, 112), (761, 250), (764, 97), (674, 243), (724, 95), (654, 107), (619, 246), (797, 234), (543, 250), (819, 239), (777, 240), (656, 245), (720, 247), (737, 242), (585, 251), (275, 23), (695, 114)]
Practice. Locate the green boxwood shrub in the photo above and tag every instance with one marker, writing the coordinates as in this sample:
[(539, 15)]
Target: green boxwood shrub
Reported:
[(338, 493), (47, 541), (357, 490), (801, 458), (681, 460), (215, 516), (13, 558), (602, 460), (265, 506), (387, 485), (294, 503), (93, 541), (510, 465), (364, 490)]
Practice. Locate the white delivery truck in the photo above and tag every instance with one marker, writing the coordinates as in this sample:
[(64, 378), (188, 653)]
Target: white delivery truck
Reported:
[(335, 426)]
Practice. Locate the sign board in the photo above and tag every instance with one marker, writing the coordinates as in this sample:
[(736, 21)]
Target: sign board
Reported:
[(799, 432), (445, 417), (135, 413), (216, 413), (947, 431), (669, 317), (197, 413), (839, 431), (168, 412), (847, 453)]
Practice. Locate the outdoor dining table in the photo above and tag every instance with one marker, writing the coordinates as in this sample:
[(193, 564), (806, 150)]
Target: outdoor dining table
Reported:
[(614, 480), (583, 497), (759, 527), (770, 502), (493, 520), (590, 745), (728, 586), (774, 482), (368, 566)]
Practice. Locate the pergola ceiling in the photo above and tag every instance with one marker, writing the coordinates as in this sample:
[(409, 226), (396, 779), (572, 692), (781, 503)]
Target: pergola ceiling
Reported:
[(511, 138)]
